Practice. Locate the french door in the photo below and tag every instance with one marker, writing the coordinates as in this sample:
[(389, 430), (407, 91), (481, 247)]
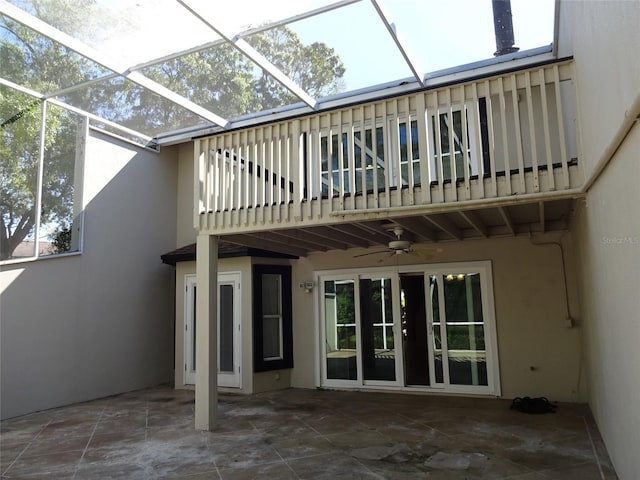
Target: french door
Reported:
[(418, 327), (228, 330)]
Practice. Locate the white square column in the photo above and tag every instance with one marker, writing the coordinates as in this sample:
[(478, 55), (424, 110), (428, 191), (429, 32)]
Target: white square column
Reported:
[(206, 332)]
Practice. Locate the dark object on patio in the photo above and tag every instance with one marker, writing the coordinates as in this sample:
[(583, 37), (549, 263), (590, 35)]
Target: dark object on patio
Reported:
[(533, 405)]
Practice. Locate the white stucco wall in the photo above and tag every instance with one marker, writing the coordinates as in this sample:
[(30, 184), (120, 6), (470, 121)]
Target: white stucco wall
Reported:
[(100, 323), (607, 231), (185, 232), (241, 265), (604, 39)]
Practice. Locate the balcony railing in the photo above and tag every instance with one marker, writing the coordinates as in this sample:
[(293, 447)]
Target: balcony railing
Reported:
[(500, 136)]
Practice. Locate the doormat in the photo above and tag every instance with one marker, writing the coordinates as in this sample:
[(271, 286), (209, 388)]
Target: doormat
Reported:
[(533, 405)]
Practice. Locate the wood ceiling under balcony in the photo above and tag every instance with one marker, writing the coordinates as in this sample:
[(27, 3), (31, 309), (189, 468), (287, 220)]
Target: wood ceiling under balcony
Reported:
[(484, 223)]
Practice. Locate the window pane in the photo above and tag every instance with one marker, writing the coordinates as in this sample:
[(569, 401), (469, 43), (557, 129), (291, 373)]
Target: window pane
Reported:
[(271, 294), (20, 117), (225, 339), (60, 220), (271, 337), (376, 312), (380, 153), (340, 329), (437, 341), (465, 329)]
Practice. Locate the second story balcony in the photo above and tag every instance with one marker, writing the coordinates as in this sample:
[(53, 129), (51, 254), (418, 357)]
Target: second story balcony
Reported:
[(494, 141)]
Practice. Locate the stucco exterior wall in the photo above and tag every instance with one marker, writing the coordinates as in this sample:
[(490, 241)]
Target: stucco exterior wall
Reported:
[(99, 323), (603, 38), (243, 266), (607, 230), (185, 233), (530, 313)]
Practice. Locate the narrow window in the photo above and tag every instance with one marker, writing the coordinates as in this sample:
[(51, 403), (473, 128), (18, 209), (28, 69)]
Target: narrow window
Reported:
[(272, 319)]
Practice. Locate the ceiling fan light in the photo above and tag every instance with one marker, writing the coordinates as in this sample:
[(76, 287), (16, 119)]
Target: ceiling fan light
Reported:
[(399, 245)]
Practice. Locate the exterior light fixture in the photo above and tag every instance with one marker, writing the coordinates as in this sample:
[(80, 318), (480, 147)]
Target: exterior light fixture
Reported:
[(308, 286)]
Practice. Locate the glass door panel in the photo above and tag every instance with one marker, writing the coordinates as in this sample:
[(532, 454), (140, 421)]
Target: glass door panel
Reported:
[(226, 327), (377, 336), (436, 330), (340, 329), (466, 351)]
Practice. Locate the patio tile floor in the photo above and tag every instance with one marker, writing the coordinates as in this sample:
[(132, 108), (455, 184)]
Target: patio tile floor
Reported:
[(299, 434)]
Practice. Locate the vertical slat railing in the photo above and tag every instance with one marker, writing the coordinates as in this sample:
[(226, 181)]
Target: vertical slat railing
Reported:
[(276, 177), (532, 132), (253, 180), (479, 160), (260, 175), (438, 156), (340, 155), (363, 159), (351, 160), (545, 125), (374, 148), (387, 163), (236, 184), (561, 132), (424, 148), (505, 137), (268, 177), (492, 142), (410, 154), (317, 163), (452, 147), (215, 175), (291, 143), (199, 192), (516, 122), (395, 165), (244, 172), (465, 144)]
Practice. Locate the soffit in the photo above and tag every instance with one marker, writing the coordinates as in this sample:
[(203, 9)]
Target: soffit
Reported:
[(428, 232)]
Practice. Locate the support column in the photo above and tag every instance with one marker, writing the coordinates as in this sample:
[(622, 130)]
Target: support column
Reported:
[(206, 331)]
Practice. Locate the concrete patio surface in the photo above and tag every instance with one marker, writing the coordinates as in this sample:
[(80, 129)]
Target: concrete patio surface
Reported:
[(298, 434)]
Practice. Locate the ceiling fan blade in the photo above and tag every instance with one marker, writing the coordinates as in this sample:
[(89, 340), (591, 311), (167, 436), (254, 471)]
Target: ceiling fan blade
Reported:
[(370, 253), (426, 252)]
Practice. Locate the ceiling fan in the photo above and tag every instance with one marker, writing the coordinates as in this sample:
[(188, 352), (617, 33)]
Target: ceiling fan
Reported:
[(400, 247)]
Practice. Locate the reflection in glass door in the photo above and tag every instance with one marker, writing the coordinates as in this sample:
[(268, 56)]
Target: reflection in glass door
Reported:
[(340, 329), (228, 330), (377, 338), (460, 356), (430, 329)]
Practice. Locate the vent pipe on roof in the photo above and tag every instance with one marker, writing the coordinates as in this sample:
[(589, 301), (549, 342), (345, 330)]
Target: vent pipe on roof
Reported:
[(503, 26)]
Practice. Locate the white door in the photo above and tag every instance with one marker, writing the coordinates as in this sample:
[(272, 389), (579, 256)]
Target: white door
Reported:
[(228, 330), (421, 327)]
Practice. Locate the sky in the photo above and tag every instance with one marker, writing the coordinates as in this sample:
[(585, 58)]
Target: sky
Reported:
[(438, 33)]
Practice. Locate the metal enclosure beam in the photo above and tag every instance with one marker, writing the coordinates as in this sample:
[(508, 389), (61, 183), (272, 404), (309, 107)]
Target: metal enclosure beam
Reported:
[(103, 60)]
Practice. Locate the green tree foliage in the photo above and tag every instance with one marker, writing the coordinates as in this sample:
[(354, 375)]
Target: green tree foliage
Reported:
[(32, 60), (226, 82), (220, 79)]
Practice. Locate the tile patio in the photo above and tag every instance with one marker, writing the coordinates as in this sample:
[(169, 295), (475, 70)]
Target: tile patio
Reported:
[(299, 434)]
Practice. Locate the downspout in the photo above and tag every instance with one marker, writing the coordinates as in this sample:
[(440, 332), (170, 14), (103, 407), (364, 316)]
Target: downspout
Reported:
[(632, 116)]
